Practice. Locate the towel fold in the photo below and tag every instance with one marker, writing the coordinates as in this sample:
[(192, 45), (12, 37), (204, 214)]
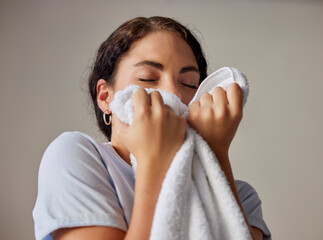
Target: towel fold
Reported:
[(195, 201)]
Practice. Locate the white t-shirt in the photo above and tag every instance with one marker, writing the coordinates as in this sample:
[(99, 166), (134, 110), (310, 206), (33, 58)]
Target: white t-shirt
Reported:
[(83, 182)]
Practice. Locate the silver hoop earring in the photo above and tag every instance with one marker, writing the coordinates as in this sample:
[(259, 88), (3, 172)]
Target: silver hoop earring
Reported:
[(105, 120)]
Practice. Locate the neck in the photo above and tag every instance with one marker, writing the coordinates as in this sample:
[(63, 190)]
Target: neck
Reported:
[(120, 149)]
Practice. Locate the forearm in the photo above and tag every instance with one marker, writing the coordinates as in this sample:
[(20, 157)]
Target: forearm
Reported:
[(147, 188), (226, 168)]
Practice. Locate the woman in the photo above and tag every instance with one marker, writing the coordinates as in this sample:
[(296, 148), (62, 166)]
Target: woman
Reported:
[(86, 188)]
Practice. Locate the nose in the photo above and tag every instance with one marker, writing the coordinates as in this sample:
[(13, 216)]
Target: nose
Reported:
[(172, 87)]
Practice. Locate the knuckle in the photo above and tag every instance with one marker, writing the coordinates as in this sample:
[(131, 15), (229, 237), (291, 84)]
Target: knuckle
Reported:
[(142, 111), (193, 115), (139, 92), (167, 110), (205, 97), (155, 93), (222, 111), (235, 87), (194, 107), (207, 115), (221, 118), (208, 112), (194, 111), (158, 110), (237, 115), (165, 113), (194, 104), (222, 114), (139, 97), (217, 90)]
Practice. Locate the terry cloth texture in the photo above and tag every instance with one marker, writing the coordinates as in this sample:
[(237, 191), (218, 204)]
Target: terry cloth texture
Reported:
[(195, 201)]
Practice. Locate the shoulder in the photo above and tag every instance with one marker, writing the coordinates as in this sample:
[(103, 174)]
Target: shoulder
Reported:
[(251, 204), (70, 155), (78, 153), (68, 140), (74, 187), (249, 198), (246, 191), (72, 147)]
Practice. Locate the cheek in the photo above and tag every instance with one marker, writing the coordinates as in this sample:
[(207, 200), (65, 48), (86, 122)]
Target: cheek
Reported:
[(187, 97), (122, 81)]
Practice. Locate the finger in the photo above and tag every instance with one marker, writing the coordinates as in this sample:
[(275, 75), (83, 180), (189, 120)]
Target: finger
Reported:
[(206, 100), (194, 105), (156, 99), (235, 97), (141, 101), (193, 110), (219, 96), (168, 109)]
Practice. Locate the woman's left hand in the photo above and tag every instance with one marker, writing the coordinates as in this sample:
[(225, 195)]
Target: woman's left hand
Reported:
[(216, 117)]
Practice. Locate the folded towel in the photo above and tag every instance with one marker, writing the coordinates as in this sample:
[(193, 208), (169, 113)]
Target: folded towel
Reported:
[(195, 201)]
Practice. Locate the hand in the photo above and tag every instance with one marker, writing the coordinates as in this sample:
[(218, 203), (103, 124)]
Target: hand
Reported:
[(216, 117), (155, 134)]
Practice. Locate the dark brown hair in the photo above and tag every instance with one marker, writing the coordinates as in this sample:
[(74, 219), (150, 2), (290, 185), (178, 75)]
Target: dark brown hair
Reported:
[(120, 41)]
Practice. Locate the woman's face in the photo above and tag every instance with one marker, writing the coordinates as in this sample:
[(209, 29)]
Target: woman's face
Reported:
[(161, 60)]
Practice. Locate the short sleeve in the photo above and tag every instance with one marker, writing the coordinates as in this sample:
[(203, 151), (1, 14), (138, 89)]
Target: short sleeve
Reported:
[(252, 207), (74, 188)]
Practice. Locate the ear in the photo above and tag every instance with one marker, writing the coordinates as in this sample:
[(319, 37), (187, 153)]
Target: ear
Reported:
[(104, 95)]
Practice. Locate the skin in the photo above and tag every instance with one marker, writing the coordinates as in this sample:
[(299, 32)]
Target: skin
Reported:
[(165, 61)]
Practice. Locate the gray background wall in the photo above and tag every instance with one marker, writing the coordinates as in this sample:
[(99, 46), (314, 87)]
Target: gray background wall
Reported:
[(47, 48)]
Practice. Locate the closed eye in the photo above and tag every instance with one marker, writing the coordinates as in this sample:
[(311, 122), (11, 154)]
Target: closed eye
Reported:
[(189, 86), (146, 80)]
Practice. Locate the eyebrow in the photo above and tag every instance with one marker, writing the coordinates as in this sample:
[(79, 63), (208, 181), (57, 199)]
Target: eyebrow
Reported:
[(157, 65), (189, 69), (160, 66)]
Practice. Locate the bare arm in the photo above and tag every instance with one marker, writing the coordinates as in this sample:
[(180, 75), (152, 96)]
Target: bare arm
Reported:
[(226, 167)]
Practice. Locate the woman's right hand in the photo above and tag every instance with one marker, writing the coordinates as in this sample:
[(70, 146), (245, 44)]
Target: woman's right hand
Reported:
[(155, 134), (154, 137)]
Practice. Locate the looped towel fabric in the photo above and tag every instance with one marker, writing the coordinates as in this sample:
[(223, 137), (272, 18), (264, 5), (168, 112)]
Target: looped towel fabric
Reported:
[(195, 201)]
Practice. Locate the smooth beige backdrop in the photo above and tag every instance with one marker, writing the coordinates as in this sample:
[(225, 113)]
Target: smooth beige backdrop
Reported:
[(47, 48)]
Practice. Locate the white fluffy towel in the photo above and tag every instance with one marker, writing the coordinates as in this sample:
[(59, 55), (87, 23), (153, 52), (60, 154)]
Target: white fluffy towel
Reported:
[(195, 201)]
